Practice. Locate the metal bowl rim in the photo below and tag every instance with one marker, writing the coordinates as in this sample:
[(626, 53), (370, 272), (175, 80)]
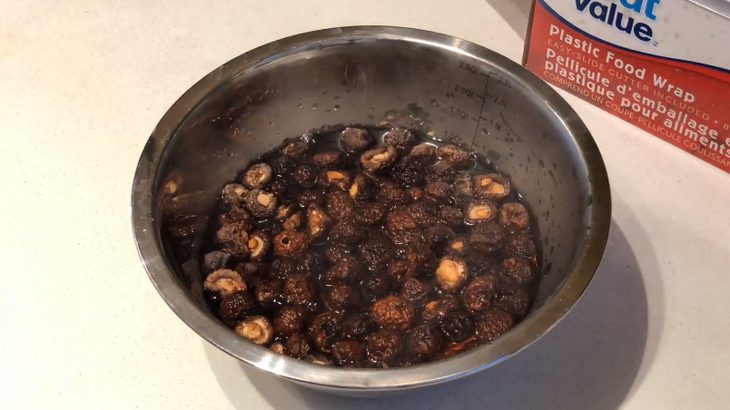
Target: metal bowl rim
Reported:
[(537, 323)]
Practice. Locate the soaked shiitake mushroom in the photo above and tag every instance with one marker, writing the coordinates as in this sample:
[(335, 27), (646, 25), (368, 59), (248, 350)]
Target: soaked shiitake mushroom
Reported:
[(425, 340), (514, 214), (517, 270), (257, 176), (328, 159), (235, 306), (277, 347), (457, 326), (283, 267), (462, 186), (289, 320), (451, 216), (407, 174), (383, 347), (345, 269), (439, 191), (298, 346), (451, 273), (356, 326), (440, 171), (436, 310), (369, 213), (415, 290), (340, 205), (459, 246), (348, 352), (268, 292), (346, 231), (487, 238), (375, 285), (312, 263), (491, 186), (259, 243), (251, 271), (492, 324), (436, 235), (480, 211), (391, 195), (393, 312), (294, 222), (290, 243), (455, 156), (341, 296), (256, 329), (362, 188), (378, 159), (415, 194), (336, 179), (296, 149), (233, 196), (284, 211), (480, 264), (305, 175), (337, 251), (318, 222), (376, 253), (261, 204), (234, 240), (324, 330), (422, 154), (401, 226), (215, 260), (419, 258), (479, 294), (237, 216), (224, 282), (270, 226), (455, 348), (299, 290), (279, 187), (311, 196), (513, 300), (355, 140), (282, 165), (400, 138), (370, 255), (424, 214), (398, 270), (521, 244)]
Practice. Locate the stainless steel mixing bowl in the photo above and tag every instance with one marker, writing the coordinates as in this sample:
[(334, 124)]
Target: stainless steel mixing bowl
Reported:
[(449, 89)]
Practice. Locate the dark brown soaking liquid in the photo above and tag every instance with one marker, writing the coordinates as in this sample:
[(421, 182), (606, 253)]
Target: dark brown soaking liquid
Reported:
[(330, 141)]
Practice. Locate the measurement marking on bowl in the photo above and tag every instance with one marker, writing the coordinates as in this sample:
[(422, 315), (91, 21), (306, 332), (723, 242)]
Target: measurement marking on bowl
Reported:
[(483, 98), (481, 111)]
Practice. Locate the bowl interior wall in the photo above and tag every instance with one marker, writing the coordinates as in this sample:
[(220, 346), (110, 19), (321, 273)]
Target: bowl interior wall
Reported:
[(445, 93)]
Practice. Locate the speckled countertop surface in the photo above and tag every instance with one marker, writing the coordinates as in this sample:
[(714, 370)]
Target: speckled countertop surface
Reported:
[(83, 83)]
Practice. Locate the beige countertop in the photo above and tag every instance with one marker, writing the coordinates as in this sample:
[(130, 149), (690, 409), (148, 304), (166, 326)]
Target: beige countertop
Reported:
[(83, 83)]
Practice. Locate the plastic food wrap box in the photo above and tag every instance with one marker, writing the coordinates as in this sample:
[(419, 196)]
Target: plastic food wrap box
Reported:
[(662, 65)]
